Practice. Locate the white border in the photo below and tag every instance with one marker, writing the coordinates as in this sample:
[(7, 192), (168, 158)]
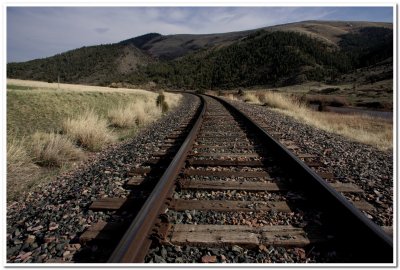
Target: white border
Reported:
[(210, 3)]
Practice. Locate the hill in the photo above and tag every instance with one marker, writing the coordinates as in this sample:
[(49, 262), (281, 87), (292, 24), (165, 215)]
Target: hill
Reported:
[(96, 65), (276, 55), (173, 46)]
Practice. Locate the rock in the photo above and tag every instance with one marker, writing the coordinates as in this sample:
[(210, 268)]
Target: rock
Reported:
[(53, 226), (237, 249), (164, 252), (66, 253), (25, 256), (223, 258), (30, 239), (49, 239), (179, 260), (300, 252), (262, 248), (209, 259), (60, 247), (159, 259), (73, 247)]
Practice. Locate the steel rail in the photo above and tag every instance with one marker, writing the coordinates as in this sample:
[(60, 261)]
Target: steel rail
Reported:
[(373, 243), (135, 242)]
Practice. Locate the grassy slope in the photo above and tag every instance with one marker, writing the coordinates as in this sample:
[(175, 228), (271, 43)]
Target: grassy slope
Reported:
[(44, 110), (37, 106)]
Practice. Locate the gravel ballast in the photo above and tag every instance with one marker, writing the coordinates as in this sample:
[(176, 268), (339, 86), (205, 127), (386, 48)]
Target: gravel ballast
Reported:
[(350, 162), (44, 225)]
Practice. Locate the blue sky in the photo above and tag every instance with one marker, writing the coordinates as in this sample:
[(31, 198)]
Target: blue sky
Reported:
[(37, 32)]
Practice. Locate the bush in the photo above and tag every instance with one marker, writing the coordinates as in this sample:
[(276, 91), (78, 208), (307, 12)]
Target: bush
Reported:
[(89, 130), (17, 157), (160, 99), (51, 149), (164, 107), (252, 98), (123, 117)]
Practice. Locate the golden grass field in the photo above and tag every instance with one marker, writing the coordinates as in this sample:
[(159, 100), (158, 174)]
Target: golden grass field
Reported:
[(50, 127), (360, 128)]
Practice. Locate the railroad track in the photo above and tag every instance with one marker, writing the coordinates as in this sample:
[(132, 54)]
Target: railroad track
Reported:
[(224, 186)]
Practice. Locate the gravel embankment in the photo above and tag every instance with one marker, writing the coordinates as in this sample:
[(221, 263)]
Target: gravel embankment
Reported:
[(43, 225), (350, 162)]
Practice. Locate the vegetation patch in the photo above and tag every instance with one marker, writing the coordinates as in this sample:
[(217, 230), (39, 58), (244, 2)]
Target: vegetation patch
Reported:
[(52, 149), (360, 128), (89, 131), (50, 128)]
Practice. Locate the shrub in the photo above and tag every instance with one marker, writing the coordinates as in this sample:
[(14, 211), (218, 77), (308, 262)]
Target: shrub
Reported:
[(20, 168), (172, 100), (123, 117), (51, 149), (160, 99), (89, 130), (252, 98), (17, 157), (164, 107), (336, 101)]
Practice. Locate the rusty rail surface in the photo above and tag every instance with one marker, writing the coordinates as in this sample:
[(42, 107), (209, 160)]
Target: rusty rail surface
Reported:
[(352, 225)]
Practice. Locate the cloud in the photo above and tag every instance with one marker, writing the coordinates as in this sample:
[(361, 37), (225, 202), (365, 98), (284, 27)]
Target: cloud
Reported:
[(36, 32)]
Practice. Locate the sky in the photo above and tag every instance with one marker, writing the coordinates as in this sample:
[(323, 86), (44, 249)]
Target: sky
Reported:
[(38, 32)]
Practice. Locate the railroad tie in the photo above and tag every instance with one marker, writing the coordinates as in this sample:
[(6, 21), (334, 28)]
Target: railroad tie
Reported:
[(242, 235)]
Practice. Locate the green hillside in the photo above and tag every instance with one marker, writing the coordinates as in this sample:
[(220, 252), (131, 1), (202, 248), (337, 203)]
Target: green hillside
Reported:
[(275, 56), (266, 58), (97, 65)]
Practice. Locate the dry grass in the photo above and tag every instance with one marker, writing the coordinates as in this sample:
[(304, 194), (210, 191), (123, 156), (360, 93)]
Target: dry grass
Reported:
[(52, 149), (251, 98), (89, 130), (122, 116), (231, 97), (359, 128), (280, 101), (20, 167), (37, 85), (138, 113), (18, 158), (146, 112), (172, 100)]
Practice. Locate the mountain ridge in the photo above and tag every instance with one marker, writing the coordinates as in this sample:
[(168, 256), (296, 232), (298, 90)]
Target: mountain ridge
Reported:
[(163, 58)]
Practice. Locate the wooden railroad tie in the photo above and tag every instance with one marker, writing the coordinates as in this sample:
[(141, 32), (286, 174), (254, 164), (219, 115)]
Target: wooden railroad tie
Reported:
[(245, 206), (251, 237), (225, 205), (255, 186), (252, 174), (219, 162), (111, 204), (104, 231)]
